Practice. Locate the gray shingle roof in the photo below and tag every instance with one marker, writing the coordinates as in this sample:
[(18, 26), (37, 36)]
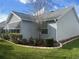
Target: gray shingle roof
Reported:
[(55, 14), (24, 16)]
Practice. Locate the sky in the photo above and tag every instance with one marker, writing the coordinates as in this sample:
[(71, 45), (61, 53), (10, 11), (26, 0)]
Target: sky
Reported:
[(28, 6)]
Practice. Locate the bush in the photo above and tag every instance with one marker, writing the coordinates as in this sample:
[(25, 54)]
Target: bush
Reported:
[(5, 36), (15, 37), (23, 41), (31, 41), (39, 42), (49, 42)]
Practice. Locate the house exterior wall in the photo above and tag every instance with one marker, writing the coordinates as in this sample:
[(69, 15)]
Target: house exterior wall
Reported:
[(52, 30), (10, 24), (14, 19), (29, 29), (67, 26), (44, 36)]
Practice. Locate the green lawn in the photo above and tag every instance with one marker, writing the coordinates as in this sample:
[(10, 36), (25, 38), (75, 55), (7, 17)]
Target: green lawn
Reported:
[(12, 51)]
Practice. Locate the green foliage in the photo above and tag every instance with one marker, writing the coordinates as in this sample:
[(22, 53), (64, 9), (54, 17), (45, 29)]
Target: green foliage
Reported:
[(31, 41), (24, 42), (15, 37), (49, 42), (5, 36), (39, 42), (12, 51)]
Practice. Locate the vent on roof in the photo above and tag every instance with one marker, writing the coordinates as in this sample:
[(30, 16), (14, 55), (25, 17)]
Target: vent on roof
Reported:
[(52, 11), (56, 19)]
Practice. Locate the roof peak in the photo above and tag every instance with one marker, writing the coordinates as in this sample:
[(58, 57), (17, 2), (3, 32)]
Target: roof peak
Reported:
[(24, 16)]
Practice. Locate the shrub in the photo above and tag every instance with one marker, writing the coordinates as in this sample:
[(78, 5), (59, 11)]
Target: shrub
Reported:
[(49, 42), (31, 41), (39, 42), (15, 37), (23, 41), (5, 36)]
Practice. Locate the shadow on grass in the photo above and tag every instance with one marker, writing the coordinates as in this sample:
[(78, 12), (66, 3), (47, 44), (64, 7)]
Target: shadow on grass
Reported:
[(71, 45), (2, 41)]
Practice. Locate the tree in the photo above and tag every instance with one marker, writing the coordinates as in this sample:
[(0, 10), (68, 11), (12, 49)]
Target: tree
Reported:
[(39, 7)]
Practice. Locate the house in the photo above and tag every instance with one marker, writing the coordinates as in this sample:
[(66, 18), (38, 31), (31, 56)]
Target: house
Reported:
[(22, 23), (59, 25), (2, 24)]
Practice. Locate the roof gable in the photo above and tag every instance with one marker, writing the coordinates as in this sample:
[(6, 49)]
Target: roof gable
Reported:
[(55, 14), (23, 16)]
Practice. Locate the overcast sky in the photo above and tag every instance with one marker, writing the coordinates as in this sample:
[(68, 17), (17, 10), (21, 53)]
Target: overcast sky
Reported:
[(26, 6)]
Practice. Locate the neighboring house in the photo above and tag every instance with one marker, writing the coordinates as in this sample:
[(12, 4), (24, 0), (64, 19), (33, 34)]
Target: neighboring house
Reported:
[(2, 24), (22, 23), (59, 25)]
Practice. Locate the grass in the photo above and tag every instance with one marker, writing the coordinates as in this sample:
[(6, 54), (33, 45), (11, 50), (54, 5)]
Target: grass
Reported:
[(12, 51)]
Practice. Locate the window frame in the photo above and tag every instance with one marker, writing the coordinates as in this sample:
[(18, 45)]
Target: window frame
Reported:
[(44, 31)]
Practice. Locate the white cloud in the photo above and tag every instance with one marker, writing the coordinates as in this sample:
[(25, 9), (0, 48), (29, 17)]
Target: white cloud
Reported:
[(3, 17), (41, 11), (25, 1), (34, 0), (55, 7)]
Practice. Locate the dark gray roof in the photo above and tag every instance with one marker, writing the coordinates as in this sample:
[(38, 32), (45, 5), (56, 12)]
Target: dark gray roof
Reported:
[(55, 14), (24, 16)]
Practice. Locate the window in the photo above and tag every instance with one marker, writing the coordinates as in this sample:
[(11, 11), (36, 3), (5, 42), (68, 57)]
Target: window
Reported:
[(51, 21), (14, 30), (44, 31), (17, 30), (56, 19)]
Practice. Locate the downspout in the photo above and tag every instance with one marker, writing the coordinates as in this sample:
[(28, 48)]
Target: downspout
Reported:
[(60, 44)]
